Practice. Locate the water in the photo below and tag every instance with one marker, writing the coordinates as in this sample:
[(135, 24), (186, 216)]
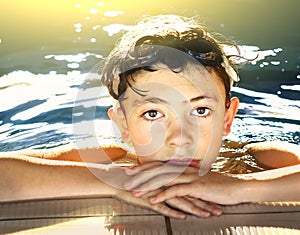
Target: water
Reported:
[(48, 49)]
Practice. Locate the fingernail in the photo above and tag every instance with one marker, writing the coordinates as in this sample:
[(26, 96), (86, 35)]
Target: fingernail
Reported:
[(181, 216), (204, 214), (136, 193), (217, 211), (153, 200)]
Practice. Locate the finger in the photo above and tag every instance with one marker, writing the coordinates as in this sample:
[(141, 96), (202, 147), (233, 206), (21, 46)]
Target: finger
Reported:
[(188, 206), (143, 167), (161, 181), (177, 190), (146, 176), (159, 208), (167, 211), (157, 182), (213, 208), (146, 193)]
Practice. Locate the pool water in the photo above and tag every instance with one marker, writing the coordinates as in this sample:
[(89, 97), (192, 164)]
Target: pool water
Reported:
[(47, 68)]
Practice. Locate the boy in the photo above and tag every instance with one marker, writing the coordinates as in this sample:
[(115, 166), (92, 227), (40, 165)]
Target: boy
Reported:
[(172, 81)]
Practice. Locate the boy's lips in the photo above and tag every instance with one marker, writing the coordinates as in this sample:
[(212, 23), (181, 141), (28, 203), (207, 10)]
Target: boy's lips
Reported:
[(185, 162)]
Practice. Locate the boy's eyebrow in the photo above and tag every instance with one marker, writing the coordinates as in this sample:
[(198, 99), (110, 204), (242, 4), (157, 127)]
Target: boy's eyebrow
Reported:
[(154, 100), (157, 100), (203, 97)]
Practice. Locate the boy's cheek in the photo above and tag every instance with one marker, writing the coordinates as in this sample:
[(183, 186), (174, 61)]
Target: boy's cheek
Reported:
[(147, 135), (146, 144)]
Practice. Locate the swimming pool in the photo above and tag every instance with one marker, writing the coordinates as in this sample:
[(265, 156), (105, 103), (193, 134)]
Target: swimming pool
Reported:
[(46, 59), (49, 94)]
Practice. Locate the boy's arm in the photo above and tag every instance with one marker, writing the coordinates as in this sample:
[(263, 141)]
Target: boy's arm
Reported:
[(55, 172), (68, 152), (281, 184), (225, 190), (30, 178), (24, 177), (271, 186)]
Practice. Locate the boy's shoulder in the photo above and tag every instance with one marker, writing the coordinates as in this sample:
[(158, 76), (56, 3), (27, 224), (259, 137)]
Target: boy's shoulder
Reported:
[(274, 154)]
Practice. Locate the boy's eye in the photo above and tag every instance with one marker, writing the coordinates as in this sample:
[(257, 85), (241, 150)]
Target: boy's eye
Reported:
[(152, 115), (201, 112)]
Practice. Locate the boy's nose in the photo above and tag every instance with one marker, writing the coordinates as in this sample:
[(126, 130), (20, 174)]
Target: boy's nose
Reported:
[(178, 135)]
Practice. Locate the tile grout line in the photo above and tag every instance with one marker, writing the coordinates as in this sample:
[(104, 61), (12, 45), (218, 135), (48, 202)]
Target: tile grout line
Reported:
[(168, 226)]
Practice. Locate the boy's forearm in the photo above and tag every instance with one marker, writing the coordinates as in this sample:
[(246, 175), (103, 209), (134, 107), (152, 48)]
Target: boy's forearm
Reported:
[(266, 190), (103, 154), (21, 180), (25, 180)]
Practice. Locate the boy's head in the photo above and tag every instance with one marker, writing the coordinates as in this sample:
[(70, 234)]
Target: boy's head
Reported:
[(172, 81), (146, 45)]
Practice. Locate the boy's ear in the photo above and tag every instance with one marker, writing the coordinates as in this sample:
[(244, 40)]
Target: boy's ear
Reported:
[(230, 114), (118, 117)]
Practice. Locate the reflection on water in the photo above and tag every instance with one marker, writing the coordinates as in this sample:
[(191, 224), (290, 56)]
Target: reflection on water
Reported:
[(48, 49), (39, 111)]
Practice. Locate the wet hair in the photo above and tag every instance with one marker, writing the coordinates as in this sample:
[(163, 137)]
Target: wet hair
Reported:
[(171, 40)]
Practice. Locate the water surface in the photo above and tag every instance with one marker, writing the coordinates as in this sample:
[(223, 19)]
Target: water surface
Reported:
[(49, 48)]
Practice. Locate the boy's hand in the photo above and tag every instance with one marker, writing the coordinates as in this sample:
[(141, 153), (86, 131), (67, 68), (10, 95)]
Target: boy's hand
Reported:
[(115, 179), (181, 187), (161, 208), (213, 187)]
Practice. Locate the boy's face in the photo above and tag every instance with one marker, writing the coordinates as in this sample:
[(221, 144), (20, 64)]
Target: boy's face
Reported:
[(177, 116)]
